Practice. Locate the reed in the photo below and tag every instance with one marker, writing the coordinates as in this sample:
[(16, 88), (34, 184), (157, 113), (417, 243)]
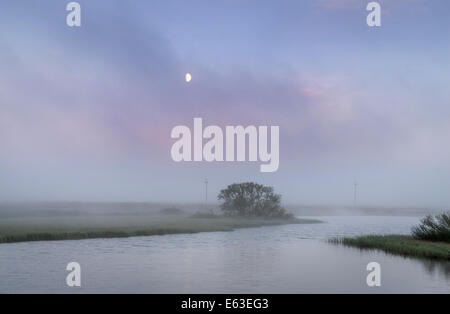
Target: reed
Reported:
[(399, 245)]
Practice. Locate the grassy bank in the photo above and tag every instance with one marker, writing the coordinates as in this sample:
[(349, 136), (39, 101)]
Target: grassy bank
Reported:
[(400, 245), (77, 228)]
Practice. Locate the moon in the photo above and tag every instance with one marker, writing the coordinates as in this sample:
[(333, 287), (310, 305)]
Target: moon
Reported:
[(188, 77)]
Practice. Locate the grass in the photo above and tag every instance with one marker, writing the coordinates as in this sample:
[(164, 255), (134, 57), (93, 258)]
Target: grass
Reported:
[(399, 245), (77, 228), (433, 228)]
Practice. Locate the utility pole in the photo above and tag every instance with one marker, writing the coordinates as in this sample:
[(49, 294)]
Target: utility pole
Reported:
[(206, 196), (355, 193)]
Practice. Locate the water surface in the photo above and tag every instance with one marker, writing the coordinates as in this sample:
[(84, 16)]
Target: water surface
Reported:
[(276, 259)]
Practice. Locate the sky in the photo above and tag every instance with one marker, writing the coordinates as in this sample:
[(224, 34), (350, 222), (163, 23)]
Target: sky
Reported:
[(86, 113)]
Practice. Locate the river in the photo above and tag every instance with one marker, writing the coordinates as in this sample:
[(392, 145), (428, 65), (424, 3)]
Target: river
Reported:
[(275, 259)]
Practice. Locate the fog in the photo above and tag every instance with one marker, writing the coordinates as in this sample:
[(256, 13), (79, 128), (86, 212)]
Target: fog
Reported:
[(133, 212), (86, 114)]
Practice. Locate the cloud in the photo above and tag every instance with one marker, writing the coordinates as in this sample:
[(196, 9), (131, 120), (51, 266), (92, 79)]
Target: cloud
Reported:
[(341, 4), (98, 104), (360, 5), (74, 108)]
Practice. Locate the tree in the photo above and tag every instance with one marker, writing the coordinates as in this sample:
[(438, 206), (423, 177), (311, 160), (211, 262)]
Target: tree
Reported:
[(251, 200)]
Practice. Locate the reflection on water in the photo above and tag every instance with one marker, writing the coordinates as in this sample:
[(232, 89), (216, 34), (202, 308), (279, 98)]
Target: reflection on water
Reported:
[(437, 269), (277, 259)]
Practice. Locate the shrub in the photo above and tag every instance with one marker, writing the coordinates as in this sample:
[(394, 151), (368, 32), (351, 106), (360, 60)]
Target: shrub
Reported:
[(435, 228), (252, 200)]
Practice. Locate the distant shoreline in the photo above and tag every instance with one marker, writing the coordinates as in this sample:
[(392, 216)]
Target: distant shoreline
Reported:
[(399, 245), (23, 232), (59, 209)]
